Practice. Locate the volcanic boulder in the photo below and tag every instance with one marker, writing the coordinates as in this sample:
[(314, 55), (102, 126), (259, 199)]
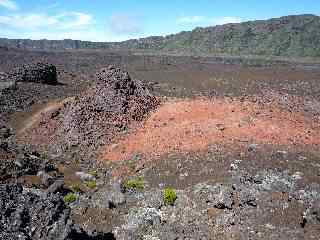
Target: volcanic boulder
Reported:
[(115, 100), (25, 215), (6, 82), (32, 214), (37, 73)]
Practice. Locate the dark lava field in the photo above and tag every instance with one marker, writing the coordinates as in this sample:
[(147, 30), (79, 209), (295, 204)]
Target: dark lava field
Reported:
[(117, 145)]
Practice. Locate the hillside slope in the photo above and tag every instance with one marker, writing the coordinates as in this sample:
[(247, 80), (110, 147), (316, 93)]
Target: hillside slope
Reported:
[(286, 36), (295, 36)]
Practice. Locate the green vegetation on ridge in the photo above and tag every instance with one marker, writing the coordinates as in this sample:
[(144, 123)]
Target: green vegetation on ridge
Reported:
[(290, 36)]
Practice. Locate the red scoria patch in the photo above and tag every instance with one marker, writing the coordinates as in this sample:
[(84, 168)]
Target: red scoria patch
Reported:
[(193, 125)]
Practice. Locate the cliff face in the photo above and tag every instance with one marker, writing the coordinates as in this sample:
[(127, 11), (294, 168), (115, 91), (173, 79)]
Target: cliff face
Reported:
[(296, 36)]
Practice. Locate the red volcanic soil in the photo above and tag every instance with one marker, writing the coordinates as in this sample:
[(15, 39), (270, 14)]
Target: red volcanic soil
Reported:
[(192, 125)]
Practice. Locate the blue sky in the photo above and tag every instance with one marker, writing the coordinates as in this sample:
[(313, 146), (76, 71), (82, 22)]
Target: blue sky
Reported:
[(117, 20)]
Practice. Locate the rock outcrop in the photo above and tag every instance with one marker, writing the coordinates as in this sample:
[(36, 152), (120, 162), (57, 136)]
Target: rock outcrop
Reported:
[(108, 107), (37, 73), (6, 82), (32, 214)]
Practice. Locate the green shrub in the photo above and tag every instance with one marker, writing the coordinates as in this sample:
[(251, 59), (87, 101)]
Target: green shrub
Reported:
[(70, 198), (91, 184), (76, 188), (169, 196), (135, 183)]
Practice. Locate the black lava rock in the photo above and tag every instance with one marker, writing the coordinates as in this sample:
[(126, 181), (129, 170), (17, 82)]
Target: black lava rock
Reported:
[(28, 215), (37, 73)]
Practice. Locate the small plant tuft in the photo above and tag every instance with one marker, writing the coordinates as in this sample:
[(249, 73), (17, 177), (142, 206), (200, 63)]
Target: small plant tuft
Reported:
[(76, 188), (91, 184), (136, 157), (94, 173), (70, 198), (44, 155), (169, 196), (135, 184)]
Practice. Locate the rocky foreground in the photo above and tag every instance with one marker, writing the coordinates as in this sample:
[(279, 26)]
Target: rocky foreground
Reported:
[(109, 106), (254, 192)]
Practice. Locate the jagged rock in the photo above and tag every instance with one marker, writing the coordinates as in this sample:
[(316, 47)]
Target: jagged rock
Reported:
[(18, 160), (116, 196), (273, 180), (312, 214), (218, 195), (153, 199), (5, 132), (37, 73), (252, 147), (4, 146), (56, 187), (29, 214), (281, 154), (225, 220), (22, 162), (223, 199), (248, 197), (45, 178), (315, 210), (108, 197), (137, 222), (85, 176), (142, 217), (308, 195), (108, 107), (6, 82)]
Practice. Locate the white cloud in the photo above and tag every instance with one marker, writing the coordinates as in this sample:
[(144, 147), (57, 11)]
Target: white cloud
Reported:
[(206, 21), (28, 21), (225, 20), (68, 20), (125, 24), (88, 34), (191, 19), (85, 35), (74, 25), (74, 20), (9, 4)]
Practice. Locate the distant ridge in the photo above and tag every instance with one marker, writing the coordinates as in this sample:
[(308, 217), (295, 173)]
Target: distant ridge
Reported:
[(290, 36)]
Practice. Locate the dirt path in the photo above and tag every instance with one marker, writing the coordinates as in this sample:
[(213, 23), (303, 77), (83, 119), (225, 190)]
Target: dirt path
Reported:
[(22, 122)]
